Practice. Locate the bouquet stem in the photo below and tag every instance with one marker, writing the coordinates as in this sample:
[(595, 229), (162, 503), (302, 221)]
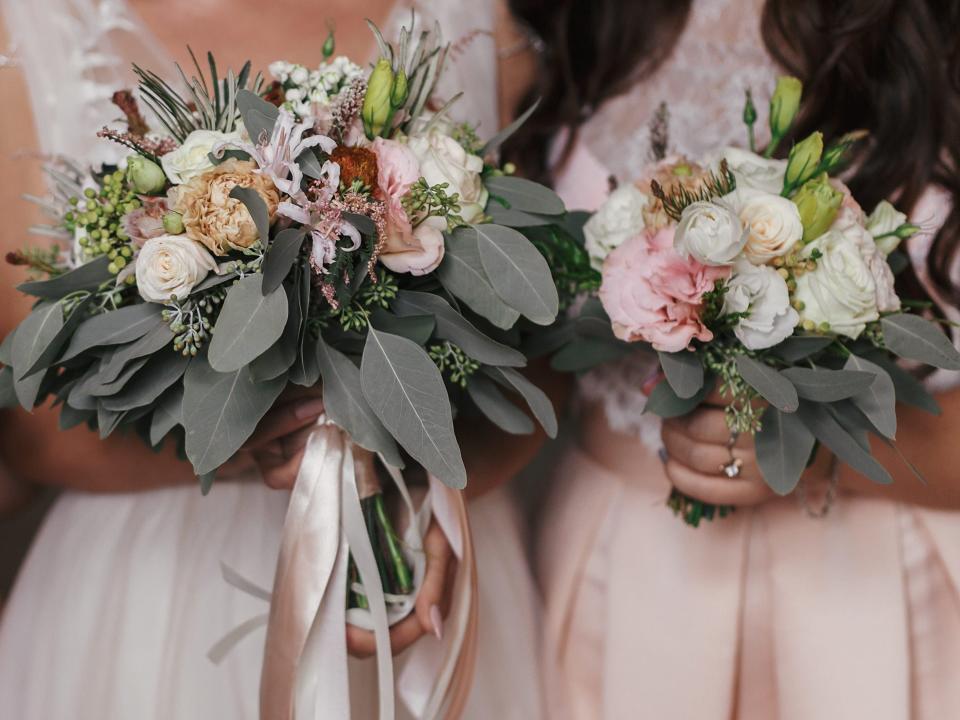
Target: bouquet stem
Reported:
[(395, 573), (693, 511)]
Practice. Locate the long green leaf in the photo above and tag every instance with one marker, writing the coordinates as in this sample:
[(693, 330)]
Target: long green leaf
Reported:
[(498, 409), (258, 115), (783, 449), (770, 384), (915, 338), (879, 401), (822, 385), (257, 208), (34, 336), (832, 434), (114, 328), (537, 400), (281, 254), (526, 195), (88, 276), (684, 372), (249, 323)]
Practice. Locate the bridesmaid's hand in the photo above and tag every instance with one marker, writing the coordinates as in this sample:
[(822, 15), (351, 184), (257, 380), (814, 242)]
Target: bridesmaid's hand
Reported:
[(277, 445), (431, 605), (697, 448)]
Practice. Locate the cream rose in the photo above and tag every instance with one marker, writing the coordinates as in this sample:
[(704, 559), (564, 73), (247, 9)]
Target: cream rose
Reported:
[(751, 171), (773, 224), (710, 233), (617, 220), (848, 223), (212, 217), (841, 291), (170, 266), (422, 254), (882, 223), (759, 291), (193, 156), (443, 160)]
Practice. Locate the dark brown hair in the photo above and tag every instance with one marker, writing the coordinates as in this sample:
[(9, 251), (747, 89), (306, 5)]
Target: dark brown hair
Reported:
[(888, 66)]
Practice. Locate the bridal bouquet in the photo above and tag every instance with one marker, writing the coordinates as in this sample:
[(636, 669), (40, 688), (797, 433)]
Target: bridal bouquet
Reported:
[(333, 225), (765, 279)]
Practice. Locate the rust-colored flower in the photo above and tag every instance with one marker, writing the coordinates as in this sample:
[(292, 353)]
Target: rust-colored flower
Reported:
[(356, 163), (212, 217)]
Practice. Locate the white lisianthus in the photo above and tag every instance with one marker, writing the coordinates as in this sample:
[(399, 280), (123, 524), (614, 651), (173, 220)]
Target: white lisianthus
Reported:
[(171, 266), (192, 157), (884, 221), (751, 171), (443, 160), (617, 220), (710, 233), (760, 291), (773, 224), (841, 292)]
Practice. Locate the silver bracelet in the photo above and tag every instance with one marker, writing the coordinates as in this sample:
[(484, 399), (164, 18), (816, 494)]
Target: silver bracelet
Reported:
[(818, 513)]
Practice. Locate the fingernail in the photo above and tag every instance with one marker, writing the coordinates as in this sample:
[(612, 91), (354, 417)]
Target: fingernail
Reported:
[(662, 454), (437, 621), (308, 408)]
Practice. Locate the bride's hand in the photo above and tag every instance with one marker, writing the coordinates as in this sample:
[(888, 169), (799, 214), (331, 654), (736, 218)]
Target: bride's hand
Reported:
[(431, 605), (278, 443), (697, 449)]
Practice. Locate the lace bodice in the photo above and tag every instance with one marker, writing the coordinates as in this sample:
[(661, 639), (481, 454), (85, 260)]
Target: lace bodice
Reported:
[(718, 56)]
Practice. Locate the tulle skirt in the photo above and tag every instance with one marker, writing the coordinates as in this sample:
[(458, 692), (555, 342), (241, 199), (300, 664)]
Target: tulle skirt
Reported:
[(122, 596)]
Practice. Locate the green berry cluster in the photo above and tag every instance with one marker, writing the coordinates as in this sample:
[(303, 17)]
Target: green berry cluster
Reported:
[(190, 321), (453, 362), (95, 220), (354, 317), (424, 200)]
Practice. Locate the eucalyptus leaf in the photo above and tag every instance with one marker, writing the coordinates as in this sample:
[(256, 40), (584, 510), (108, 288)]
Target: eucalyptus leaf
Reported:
[(221, 411), (281, 254), (853, 421), (8, 395), (783, 447), (96, 386), (213, 280), (525, 195), (461, 273), (363, 224), (537, 400), (107, 421), (249, 323), (799, 347), (452, 326), (916, 338), (518, 272), (684, 372), (310, 164), (502, 215), (497, 408), (346, 405), (54, 347), (497, 140), (154, 341), (593, 321), (162, 371), (6, 348), (878, 402), (259, 116), (418, 328), (114, 328), (832, 434), (406, 391), (584, 354), (78, 396), (770, 384), (910, 391), (257, 209), (206, 481), (283, 353), (306, 369), (823, 385), (88, 276), (665, 403), (70, 417), (167, 415), (34, 336)]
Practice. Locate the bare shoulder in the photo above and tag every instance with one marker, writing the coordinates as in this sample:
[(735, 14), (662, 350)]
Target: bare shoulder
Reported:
[(517, 60)]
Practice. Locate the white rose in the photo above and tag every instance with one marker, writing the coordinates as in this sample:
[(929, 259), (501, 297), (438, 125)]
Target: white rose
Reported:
[(617, 220), (443, 160), (884, 220), (170, 266), (300, 75), (773, 224), (847, 224), (760, 291), (750, 170), (710, 232), (841, 291), (192, 157)]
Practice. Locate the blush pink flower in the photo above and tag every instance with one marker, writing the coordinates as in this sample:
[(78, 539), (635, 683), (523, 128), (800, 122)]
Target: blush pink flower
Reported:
[(654, 294)]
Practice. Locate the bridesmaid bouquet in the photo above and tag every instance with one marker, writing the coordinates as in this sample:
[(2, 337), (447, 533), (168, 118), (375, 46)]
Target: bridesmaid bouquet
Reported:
[(331, 226), (763, 278)]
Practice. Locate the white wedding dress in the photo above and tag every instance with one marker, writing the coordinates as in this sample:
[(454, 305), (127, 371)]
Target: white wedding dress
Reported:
[(121, 596)]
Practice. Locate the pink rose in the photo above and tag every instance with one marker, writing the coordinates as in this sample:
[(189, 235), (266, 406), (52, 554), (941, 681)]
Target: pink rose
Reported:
[(423, 254), (145, 222), (653, 293)]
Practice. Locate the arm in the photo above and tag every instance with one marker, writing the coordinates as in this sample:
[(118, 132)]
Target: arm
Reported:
[(32, 449)]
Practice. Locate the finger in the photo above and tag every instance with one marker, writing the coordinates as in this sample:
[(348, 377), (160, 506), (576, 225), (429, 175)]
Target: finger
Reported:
[(709, 425), (360, 642), (279, 474), (431, 601), (706, 458), (716, 489), (295, 442), (405, 633), (285, 419)]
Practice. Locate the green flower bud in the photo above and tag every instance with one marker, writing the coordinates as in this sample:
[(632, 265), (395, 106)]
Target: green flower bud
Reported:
[(400, 91), (803, 162), (376, 102), (173, 223), (818, 202), (145, 176), (784, 105), (329, 45), (749, 110)]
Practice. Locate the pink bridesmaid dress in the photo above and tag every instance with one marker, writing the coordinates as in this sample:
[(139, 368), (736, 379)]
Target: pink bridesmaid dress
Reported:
[(764, 615)]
